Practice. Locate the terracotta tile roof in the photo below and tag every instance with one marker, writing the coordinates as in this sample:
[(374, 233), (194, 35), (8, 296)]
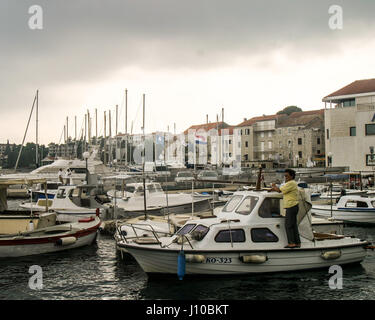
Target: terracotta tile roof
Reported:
[(207, 126), (253, 120), (356, 87), (302, 118)]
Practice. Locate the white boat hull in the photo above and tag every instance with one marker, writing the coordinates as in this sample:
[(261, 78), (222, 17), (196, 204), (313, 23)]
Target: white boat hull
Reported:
[(164, 261), (354, 216)]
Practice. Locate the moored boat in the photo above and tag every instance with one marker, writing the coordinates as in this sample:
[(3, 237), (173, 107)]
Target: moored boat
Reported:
[(350, 209), (248, 237), (24, 235)]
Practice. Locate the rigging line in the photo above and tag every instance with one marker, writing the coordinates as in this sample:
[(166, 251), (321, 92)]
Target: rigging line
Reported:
[(139, 107), (62, 132)]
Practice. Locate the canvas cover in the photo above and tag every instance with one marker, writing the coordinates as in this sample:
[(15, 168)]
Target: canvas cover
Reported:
[(304, 214)]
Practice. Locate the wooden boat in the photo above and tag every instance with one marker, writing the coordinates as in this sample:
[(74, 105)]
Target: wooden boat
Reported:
[(22, 235)]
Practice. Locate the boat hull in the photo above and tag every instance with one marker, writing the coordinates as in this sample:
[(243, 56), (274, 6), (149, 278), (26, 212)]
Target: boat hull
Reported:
[(27, 246), (199, 205), (346, 215), (164, 261)]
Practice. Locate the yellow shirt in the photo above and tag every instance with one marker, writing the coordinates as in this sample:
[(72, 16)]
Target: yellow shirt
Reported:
[(290, 192)]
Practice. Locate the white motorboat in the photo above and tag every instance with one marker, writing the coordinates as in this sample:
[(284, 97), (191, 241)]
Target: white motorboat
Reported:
[(247, 237), (350, 209), (77, 167), (71, 203), (339, 191), (157, 202), (24, 235)]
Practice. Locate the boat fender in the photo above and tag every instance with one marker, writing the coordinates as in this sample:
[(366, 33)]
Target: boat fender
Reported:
[(195, 258), (66, 241), (330, 255), (254, 258), (181, 264), (30, 226)]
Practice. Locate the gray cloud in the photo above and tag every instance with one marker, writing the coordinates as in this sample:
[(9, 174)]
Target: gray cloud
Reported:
[(86, 40)]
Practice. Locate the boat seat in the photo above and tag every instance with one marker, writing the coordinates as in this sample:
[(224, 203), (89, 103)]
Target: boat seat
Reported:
[(326, 236), (147, 241)]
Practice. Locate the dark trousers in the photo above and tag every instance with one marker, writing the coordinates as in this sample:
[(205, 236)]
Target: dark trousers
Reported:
[(291, 225)]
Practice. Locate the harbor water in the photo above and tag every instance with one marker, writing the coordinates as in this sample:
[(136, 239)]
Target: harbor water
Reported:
[(98, 273)]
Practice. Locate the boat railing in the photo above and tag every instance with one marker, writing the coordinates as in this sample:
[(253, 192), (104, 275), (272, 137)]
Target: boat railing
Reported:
[(140, 227)]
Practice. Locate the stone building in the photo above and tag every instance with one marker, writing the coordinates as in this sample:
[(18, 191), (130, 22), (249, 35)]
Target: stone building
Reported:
[(299, 140), (257, 141)]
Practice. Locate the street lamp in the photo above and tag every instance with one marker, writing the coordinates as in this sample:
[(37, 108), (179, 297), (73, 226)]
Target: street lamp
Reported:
[(86, 155)]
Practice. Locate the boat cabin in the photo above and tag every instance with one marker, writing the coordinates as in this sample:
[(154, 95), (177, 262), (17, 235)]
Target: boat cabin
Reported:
[(86, 196), (258, 216), (356, 202)]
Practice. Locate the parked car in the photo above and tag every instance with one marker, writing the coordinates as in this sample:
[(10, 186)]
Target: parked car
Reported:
[(208, 175), (184, 176)]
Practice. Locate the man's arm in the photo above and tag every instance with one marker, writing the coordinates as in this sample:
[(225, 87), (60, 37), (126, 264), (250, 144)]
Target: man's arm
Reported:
[(275, 188)]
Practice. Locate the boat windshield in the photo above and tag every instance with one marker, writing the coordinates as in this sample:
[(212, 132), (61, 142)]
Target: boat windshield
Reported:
[(186, 228), (247, 205), (232, 204)]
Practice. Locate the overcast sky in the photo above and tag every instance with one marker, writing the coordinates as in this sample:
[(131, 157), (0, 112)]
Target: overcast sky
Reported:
[(190, 58)]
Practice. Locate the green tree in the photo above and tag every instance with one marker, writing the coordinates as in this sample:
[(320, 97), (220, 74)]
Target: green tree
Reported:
[(289, 109)]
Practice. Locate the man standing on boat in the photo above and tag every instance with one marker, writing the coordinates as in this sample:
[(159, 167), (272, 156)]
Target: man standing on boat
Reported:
[(290, 194)]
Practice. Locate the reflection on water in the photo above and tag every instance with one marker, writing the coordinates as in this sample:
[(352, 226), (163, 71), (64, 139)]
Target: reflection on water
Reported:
[(97, 272)]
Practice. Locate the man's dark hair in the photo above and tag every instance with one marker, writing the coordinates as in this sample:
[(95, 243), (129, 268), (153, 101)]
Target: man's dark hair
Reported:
[(291, 172)]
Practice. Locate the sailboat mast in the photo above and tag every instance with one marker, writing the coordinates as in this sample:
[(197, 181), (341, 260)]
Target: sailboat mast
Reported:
[(143, 159), (24, 137), (126, 126), (36, 130)]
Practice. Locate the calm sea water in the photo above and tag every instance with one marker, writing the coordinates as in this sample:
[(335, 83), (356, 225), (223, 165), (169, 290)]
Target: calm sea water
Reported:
[(97, 272)]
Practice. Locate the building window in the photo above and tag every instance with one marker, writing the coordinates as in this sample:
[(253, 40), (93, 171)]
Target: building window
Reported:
[(263, 235), (246, 144), (233, 235), (300, 154), (230, 141), (270, 134), (327, 134), (318, 141), (318, 151), (269, 144), (352, 131), (262, 134), (370, 129), (299, 140), (246, 157), (289, 143), (348, 103)]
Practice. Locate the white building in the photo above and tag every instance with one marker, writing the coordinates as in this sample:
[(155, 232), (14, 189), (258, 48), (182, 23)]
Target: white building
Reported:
[(350, 126)]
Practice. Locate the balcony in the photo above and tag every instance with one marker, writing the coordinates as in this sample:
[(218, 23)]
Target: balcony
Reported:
[(263, 127)]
